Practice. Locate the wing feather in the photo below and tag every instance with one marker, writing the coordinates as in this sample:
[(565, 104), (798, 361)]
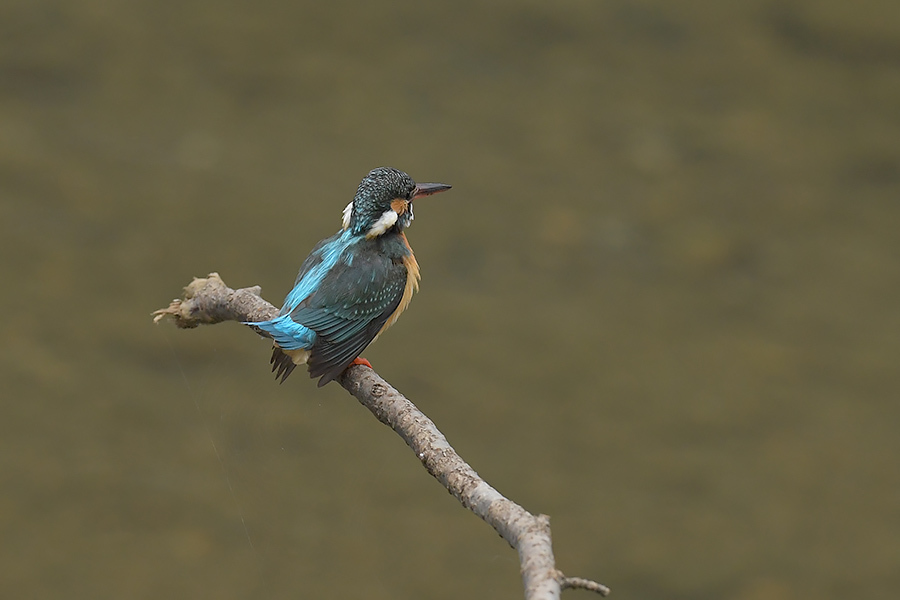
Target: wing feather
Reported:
[(348, 310)]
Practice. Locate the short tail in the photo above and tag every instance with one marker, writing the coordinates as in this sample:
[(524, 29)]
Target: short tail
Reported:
[(282, 364), (290, 338)]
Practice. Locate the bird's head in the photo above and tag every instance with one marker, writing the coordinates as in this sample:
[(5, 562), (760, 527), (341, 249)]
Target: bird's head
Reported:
[(383, 202)]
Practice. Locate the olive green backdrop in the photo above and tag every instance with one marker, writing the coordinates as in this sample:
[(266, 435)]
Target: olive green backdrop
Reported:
[(660, 303)]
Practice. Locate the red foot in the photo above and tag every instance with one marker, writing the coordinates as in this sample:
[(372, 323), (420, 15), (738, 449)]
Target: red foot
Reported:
[(361, 361)]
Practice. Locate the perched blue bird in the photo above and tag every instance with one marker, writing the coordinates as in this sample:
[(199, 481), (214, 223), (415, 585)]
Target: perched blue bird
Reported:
[(354, 284)]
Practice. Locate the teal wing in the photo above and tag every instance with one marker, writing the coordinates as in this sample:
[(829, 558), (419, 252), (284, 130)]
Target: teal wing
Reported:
[(349, 308)]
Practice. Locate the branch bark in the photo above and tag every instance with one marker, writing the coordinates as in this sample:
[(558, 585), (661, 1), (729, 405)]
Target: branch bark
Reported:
[(208, 301)]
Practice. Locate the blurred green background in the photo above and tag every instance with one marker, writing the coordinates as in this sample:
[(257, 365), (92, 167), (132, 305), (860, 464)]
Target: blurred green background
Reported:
[(660, 303)]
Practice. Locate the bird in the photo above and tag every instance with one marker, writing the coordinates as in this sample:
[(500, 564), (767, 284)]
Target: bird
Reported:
[(354, 284)]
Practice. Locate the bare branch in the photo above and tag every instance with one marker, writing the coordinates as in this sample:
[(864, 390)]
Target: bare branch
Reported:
[(579, 583), (209, 301)]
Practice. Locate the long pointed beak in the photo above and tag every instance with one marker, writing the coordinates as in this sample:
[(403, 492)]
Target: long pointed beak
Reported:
[(427, 189)]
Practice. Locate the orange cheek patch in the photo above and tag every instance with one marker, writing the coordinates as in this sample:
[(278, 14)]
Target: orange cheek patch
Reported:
[(398, 205)]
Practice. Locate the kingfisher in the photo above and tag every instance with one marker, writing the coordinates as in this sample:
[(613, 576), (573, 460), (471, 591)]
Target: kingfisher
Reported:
[(354, 284)]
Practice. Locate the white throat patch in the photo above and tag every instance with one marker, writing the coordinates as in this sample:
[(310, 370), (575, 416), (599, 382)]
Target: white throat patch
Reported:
[(385, 222), (348, 212)]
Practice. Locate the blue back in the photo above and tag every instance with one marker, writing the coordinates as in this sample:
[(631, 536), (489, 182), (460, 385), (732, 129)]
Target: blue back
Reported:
[(289, 334)]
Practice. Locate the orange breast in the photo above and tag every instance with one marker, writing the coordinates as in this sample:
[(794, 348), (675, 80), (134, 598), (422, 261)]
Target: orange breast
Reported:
[(412, 285)]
